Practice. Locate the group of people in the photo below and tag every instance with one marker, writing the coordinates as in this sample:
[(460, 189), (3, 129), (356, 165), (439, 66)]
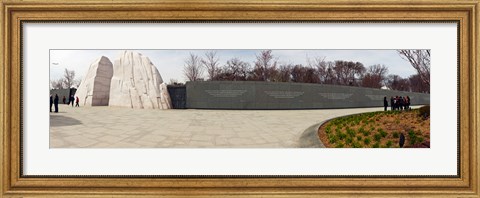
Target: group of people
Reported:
[(397, 103), (54, 101)]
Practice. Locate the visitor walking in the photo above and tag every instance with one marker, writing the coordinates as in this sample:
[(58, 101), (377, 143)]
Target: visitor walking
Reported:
[(385, 103), (71, 100), (76, 102), (51, 102), (55, 103), (64, 100)]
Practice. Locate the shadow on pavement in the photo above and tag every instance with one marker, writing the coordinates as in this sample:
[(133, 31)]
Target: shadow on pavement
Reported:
[(59, 120)]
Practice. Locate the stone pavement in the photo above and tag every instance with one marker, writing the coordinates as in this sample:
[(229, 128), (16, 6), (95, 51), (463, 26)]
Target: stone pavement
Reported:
[(116, 127)]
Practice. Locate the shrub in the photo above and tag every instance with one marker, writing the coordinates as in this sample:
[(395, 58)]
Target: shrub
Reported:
[(376, 145), (340, 145), (420, 139), (348, 140), (389, 144), (412, 137), (328, 129), (366, 141), (424, 111), (332, 139), (377, 137), (341, 135), (383, 133), (351, 132), (395, 135), (359, 137), (361, 129), (356, 145), (366, 133)]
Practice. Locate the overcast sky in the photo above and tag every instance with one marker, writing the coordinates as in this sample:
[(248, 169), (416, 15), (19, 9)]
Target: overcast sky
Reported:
[(170, 62)]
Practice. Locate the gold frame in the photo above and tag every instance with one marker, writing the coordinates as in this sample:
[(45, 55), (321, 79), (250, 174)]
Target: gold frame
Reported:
[(465, 12)]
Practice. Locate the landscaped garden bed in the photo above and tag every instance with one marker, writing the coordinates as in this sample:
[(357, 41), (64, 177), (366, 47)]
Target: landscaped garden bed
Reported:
[(382, 129)]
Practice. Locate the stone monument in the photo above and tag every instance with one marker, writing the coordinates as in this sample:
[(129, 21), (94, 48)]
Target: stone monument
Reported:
[(136, 83), (94, 90)]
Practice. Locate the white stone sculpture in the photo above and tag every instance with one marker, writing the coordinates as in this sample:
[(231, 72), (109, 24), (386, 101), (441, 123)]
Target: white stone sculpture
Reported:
[(165, 100), (94, 90), (136, 83)]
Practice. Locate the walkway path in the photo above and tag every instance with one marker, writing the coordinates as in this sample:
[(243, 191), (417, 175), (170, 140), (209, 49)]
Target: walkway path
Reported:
[(110, 127)]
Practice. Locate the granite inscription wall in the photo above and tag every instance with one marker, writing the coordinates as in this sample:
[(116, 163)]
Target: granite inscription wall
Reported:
[(274, 95)]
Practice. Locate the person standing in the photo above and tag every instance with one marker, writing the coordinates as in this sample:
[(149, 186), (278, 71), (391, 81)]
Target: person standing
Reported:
[(408, 102), (401, 142), (55, 103), (391, 103), (76, 102), (385, 103), (395, 103), (51, 102), (64, 100), (72, 100)]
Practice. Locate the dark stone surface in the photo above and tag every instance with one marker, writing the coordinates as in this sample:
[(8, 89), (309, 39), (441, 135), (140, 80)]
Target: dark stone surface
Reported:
[(178, 96), (274, 95)]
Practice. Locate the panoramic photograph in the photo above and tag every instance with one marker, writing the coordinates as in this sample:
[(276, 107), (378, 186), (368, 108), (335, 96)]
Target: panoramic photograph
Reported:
[(239, 98)]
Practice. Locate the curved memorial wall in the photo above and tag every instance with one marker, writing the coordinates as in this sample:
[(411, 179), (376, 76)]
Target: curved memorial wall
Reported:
[(276, 95)]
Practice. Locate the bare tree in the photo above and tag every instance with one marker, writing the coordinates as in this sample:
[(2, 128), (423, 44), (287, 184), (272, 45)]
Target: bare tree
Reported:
[(304, 74), (284, 73), (329, 73), (417, 85), (395, 82), (264, 65), (321, 67), (211, 64), (347, 72), (420, 60), (237, 69), (193, 69), (57, 84), (69, 79), (375, 76)]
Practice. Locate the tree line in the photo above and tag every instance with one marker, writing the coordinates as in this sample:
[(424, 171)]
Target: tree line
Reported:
[(317, 70)]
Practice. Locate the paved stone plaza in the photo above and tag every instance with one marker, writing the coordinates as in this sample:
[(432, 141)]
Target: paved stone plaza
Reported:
[(115, 127)]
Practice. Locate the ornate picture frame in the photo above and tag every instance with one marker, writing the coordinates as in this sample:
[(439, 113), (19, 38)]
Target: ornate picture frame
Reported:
[(14, 13)]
